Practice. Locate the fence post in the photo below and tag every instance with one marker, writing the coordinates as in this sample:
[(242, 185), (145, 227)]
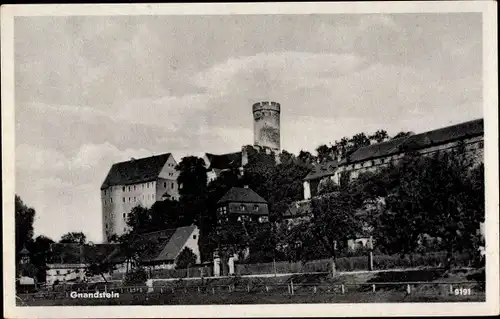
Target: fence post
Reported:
[(267, 288), (451, 289), (291, 285), (342, 289), (289, 291), (161, 289), (229, 288), (373, 287), (408, 289), (315, 289), (248, 287), (198, 289), (213, 291)]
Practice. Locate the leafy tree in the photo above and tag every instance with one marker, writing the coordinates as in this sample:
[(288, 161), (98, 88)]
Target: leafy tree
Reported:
[(40, 255), (73, 238), (162, 215), (99, 268), (327, 186), (379, 136), (133, 247), (334, 221), (186, 258), (192, 188), (135, 277), (306, 157), (324, 153), (402, 134), (24, 225)]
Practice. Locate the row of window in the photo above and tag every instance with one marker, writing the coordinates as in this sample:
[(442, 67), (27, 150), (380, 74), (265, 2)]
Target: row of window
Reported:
[(135, 187), (63, 272), (135, 199)]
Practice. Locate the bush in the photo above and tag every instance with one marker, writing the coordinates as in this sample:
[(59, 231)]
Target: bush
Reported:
[(185, 259), (135, 276)]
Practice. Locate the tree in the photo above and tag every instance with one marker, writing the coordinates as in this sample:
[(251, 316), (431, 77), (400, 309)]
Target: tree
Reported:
[(24, 225), (40, 254), (324, 153), (73, 238), (192, 188), (402, 134), (334, 221), (306, 157), (186, 258), (99, 269), (379, 136)]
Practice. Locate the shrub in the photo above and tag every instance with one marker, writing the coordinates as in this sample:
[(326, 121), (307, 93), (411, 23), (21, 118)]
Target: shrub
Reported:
[(185, 259), (135, 276)]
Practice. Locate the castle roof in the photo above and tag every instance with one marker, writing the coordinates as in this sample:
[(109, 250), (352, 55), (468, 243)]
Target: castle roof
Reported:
[(224, 161), (420, 141), (136, 171), (241, 195), (322, 170)]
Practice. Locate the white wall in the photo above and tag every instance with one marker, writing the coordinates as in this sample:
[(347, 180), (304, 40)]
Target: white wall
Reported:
[(192, 243)]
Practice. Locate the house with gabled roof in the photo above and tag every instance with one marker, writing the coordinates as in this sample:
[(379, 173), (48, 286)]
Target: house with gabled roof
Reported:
[(372, 157), (164, 247), (241, 204), (67, 262), (136, 182)]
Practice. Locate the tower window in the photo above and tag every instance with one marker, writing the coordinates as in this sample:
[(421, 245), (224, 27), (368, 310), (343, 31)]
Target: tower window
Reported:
[(165, 185), (124, 199), (172, 186), (123, 188)]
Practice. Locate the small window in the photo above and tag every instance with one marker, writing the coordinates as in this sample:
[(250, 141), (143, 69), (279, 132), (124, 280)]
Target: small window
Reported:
[(134, 199), (129, 188), (148, 185), (57, 272), (124, 215), (104, 202), (256, 207), (106, 226), (134, 187), (124, 199), (194, 236), (124, 229), (111, 200), (129, 199), (172, 186), (123, 188), (242, 207)]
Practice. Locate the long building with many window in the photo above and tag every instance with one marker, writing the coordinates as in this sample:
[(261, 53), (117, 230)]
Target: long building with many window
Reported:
[(136, 182)]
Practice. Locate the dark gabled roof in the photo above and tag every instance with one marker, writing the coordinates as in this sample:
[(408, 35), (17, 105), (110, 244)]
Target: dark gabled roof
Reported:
[(241, 195), (176, 243), (224, 161), (164, 245), (444, 135), (376, 150), (79, 254), (423, 140), (135, 171), (322, 170)]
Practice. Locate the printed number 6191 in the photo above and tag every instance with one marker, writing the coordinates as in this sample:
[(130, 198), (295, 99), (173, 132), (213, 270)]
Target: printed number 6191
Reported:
[(463, 291)]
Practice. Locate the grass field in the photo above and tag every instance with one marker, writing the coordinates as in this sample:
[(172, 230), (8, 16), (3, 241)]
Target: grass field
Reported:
[(315, 288)]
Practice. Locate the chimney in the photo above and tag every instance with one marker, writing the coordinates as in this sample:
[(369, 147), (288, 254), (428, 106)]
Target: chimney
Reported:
[(132, 159)]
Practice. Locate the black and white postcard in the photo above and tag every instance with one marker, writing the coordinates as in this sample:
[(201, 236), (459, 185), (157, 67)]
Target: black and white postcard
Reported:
[(250, 160)]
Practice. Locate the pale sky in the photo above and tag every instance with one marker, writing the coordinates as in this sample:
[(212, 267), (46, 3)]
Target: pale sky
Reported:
[(95, 90)]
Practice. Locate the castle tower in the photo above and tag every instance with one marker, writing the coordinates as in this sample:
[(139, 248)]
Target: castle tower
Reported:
[(266, 127)]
